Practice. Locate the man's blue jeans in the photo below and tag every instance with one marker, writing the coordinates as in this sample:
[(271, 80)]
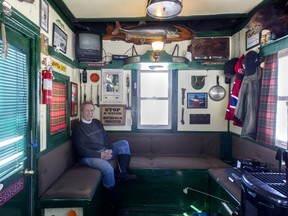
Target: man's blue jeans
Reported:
[(119, 147)]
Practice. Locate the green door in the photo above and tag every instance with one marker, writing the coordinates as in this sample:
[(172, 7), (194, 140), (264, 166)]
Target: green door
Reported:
[(15, 128)]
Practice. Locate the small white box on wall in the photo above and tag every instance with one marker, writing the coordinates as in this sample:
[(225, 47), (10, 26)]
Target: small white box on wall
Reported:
[(112, 85)]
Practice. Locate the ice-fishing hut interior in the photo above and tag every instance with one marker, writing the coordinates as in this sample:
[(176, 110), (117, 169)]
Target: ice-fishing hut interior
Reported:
[(204, 112)]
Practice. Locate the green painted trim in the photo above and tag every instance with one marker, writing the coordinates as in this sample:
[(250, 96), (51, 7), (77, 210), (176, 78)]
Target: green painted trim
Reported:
[(174, 118), (35, 86), (175, 62), (61, 57), (226, 33), (97, 65), (211, 64), (226, 147), (62, 10), (274, 47), (88, 66)]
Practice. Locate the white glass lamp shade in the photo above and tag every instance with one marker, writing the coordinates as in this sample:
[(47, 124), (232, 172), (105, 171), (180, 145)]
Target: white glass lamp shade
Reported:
[(157, 46), (164, 9)]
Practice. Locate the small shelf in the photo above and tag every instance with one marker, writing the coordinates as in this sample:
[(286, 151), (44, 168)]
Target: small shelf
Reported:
[(274, 47)]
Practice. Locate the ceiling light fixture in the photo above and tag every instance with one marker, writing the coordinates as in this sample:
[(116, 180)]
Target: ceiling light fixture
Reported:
[(164, 9), (157, 47)]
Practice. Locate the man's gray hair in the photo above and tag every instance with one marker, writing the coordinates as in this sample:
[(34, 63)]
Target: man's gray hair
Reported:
[(85, 103)]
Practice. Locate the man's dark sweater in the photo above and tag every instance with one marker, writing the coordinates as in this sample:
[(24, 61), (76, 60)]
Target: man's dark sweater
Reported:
[(90, 139)]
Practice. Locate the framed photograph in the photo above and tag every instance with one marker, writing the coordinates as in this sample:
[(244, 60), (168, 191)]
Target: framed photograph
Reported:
[(74, 99), (252, 39), (44, 15), (44, 44), (196, 100), (112, 86), (59, 38)]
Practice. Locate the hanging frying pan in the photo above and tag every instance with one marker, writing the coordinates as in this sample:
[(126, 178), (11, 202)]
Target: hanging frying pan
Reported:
[(217, 92)]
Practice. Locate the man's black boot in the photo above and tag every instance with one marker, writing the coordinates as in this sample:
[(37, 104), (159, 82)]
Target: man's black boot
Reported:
[(123, 173), (115, 199)]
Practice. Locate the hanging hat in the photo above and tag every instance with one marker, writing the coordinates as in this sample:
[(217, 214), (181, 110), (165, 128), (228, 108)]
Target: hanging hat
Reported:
[(238, 68), (229, 69), (250, 63)]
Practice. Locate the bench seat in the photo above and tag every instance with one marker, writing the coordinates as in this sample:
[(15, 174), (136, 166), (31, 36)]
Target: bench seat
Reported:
[(222, 179), (79, 182), (64, 183), (180, 162)]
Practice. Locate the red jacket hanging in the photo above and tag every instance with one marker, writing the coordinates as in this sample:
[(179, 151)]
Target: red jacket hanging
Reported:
[(233, 99)]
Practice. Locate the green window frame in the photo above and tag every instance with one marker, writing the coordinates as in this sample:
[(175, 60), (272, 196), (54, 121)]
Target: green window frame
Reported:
[(155, 100)]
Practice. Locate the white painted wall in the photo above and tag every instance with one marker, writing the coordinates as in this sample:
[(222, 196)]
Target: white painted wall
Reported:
[(215, 109), (31, 11)]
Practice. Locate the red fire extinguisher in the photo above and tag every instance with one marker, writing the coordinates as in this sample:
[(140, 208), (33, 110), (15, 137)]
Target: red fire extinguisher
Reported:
[(47, 86)]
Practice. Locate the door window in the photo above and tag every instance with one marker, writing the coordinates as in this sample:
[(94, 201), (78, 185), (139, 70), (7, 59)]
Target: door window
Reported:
[(13, 112)]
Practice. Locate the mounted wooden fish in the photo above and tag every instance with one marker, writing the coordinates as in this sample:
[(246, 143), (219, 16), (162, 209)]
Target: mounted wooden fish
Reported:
[(147, 33)]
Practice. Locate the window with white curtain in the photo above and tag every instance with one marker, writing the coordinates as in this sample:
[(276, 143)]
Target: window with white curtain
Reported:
[(154, 101), (282, 101)]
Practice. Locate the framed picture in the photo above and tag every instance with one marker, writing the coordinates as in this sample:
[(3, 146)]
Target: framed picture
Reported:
[(44, 15), (252, 39), (44, 44), (74, 99), (112, 85), (196, 100), (59, 38)]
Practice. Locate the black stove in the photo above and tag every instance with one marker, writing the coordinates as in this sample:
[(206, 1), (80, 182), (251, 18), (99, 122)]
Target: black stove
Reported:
[(264, 194)]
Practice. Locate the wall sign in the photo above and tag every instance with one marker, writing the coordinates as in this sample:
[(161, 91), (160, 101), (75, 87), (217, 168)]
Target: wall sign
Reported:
[(210, 48), (252, 39), (10, 191), (113, 114), (57, 65)]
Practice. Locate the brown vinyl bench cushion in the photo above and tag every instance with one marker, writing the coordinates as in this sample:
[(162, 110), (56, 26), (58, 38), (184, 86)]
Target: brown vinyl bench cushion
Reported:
[(79, 182), (173, 151), (60, 176), (180, 162), (222, 178)]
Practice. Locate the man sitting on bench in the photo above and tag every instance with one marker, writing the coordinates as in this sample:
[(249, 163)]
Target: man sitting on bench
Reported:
[(94, 149)]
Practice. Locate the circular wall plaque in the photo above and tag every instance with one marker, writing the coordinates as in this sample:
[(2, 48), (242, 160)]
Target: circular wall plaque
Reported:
[(94, 77)]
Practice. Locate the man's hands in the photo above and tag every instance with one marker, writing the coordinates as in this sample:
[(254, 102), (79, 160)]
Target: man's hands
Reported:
[(107, 154)]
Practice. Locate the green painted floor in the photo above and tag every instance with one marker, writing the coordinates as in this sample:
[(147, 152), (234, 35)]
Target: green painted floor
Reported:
[(160, 192)]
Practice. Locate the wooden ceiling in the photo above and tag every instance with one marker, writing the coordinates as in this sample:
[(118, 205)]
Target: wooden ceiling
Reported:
[(204, 17)]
